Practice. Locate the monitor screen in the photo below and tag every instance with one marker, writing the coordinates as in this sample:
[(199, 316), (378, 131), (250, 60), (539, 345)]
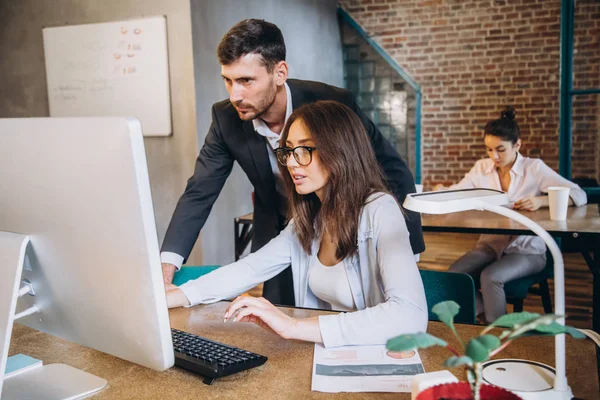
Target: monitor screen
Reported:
[(79, 188)]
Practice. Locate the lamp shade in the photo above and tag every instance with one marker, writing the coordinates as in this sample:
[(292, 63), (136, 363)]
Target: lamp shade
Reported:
[(450, 201)]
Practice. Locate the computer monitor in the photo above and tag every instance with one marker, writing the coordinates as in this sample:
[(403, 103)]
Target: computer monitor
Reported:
[(79, 188)]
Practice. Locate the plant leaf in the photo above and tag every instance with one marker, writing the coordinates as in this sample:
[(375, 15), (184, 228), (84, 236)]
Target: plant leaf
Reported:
[(555, 328), (513, 319), (446, 311), (454, 361), (420, 340), (479, 348), (533, 325)]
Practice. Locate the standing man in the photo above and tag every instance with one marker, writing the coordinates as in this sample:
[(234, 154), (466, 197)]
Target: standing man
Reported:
[(246, 129)]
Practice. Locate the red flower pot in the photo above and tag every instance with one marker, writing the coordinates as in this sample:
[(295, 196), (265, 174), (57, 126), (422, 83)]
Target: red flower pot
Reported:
[(462, 391)]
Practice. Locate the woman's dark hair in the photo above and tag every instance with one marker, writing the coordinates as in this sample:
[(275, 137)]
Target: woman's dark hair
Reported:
[(344, 150), (252, 36), (505, 127)]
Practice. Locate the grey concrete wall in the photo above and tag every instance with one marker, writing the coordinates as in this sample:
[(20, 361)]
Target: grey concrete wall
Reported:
[(312, 36), (23, 90)]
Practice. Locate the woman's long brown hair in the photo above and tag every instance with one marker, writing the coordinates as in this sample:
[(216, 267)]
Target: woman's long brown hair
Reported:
[(344, 150)]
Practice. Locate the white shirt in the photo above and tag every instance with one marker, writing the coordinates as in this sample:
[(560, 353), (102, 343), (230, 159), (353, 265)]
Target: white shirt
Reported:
[(273, 140), (330, 284), (528, 177), (383, 276), (272, 143)]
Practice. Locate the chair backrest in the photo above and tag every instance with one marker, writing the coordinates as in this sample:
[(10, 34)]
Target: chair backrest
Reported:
[(187, 273), (441, 286), (593, 194)]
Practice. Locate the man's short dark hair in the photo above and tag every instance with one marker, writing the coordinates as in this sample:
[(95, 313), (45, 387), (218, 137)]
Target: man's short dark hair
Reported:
[(252, 36)]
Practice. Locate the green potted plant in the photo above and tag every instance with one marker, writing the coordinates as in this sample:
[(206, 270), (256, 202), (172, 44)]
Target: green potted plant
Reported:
[(478, 349)]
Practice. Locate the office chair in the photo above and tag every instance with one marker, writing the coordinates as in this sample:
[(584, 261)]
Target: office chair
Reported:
[(518, 289), (187, 273), (537, 284), (443, 285)]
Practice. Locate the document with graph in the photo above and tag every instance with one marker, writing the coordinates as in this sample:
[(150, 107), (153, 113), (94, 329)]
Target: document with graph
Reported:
[(364, 369)]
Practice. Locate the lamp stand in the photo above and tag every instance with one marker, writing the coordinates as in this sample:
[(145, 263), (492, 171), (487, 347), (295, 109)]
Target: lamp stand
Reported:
[(528, 379)]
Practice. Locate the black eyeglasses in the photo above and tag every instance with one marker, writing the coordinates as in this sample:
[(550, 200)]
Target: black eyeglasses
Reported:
[(302, 154)]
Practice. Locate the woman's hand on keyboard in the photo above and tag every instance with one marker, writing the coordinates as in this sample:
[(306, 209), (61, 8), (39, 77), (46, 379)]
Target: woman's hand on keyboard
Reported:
[(264, 314), (261, 312)]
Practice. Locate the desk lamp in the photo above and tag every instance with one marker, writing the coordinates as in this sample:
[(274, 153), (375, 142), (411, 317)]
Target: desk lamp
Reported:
[(528, 379)]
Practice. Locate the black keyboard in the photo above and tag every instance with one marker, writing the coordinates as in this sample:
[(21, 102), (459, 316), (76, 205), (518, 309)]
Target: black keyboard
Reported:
[(209, 358)]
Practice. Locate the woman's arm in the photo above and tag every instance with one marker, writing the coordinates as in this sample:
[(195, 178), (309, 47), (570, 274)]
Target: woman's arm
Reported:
[(176, 298), (548, 177), (234, 279), (264, 314)]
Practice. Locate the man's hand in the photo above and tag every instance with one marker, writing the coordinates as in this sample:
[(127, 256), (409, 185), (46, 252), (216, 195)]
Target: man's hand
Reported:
[(531, 203), (168, 271)]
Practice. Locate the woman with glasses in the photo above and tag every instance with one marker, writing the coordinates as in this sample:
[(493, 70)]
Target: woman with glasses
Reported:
[(347, 242)]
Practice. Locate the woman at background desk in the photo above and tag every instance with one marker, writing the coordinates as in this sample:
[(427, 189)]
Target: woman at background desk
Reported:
[(347, 242), (498, 259)]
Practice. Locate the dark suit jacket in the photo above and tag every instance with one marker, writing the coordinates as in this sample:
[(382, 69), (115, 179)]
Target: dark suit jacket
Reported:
[(231, 139)]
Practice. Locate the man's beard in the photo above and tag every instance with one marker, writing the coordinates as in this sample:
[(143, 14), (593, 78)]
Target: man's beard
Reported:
[(261, 108)]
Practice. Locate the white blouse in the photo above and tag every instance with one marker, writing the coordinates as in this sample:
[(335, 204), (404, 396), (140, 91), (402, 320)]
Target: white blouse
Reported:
[(528, 177), (331, 285), (383, 276)]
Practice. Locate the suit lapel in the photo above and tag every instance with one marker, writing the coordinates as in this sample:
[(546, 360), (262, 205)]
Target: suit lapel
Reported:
[(257, 148), (298, 95)]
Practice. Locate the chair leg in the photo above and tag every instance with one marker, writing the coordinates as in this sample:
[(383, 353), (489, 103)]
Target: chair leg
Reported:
[(518, 305), (546, 298)]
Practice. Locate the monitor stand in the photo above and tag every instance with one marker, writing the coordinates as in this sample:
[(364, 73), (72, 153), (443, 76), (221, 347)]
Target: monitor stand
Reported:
[(49, 382)]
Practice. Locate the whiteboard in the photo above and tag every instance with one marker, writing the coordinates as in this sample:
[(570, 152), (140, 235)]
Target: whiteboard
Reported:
[(110, 69)]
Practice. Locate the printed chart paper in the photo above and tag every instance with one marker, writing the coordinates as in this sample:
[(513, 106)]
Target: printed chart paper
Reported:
[(364, 369)]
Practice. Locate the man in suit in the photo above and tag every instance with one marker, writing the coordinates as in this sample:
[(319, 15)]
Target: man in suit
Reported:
[(246, 129)]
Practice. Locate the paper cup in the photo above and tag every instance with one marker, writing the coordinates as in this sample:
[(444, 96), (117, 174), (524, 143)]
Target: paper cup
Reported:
[(558, 198), (419, 188)]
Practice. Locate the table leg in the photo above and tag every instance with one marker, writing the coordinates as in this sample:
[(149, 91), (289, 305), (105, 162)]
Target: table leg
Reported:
[(593, 262), (596, 303), (242, 238)]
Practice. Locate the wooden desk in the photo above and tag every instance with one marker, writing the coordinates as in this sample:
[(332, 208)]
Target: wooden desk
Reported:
[(287, 373), (581, 221), (581, 228)]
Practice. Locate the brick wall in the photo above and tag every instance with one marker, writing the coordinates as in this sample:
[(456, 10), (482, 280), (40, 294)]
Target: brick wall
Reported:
[(473, 57)]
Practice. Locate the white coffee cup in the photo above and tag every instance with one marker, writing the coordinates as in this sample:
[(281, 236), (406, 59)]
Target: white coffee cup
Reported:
[(558, 199), (419, 188)]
